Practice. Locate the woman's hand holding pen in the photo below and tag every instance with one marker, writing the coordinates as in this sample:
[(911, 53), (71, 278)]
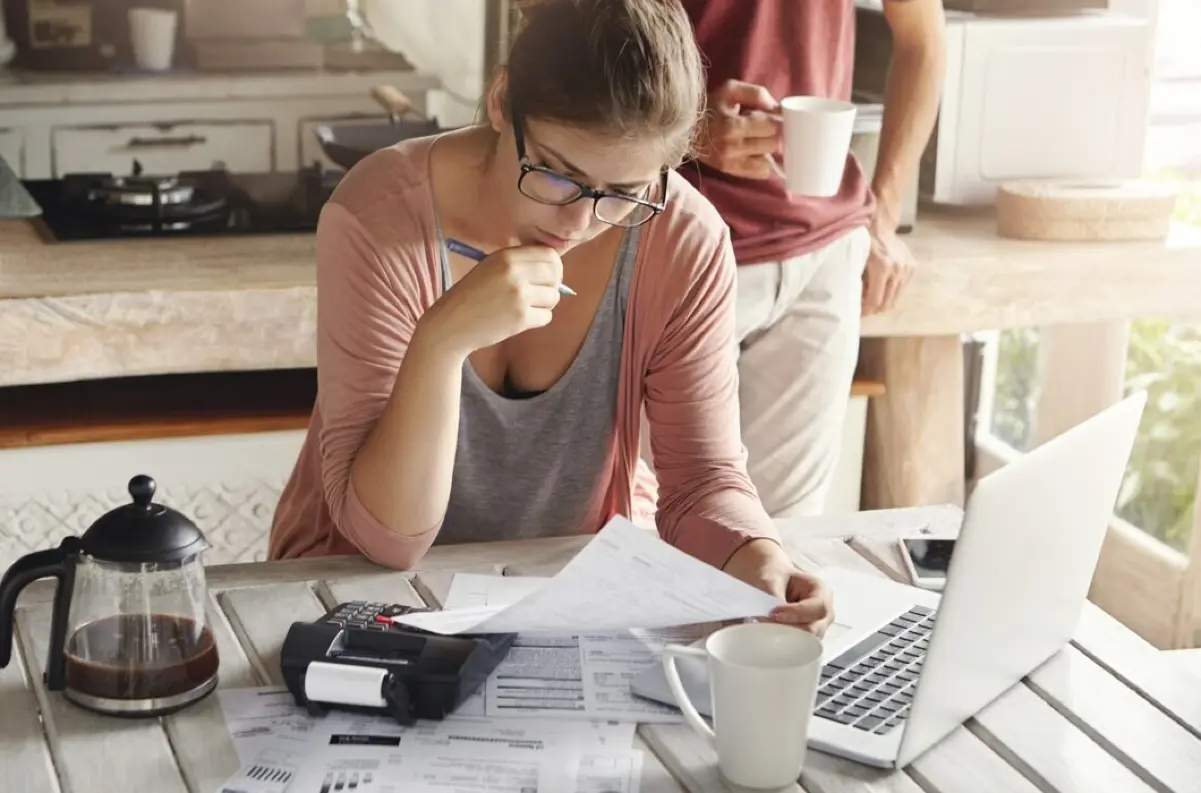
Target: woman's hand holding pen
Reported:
[(508, 292)]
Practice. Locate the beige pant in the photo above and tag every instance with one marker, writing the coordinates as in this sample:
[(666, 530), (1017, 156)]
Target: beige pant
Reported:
[(798, 333), (797, 327)]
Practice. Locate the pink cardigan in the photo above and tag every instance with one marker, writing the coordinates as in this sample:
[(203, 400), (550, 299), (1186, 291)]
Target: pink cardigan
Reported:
[(378, 270)]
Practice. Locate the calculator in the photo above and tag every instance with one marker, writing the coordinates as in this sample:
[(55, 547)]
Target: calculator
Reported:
[(355, 657), (367, 615)]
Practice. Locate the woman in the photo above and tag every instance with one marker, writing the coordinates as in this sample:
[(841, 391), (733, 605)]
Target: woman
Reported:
[(468, 401)]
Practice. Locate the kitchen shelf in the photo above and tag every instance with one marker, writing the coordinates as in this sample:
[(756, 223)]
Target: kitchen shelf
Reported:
[(157, 406)]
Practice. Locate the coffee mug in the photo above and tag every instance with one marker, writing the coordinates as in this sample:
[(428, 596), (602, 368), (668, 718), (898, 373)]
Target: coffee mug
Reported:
[(763, 682), (817, 139)]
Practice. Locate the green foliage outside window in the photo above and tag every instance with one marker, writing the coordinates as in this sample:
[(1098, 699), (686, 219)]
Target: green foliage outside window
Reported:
[(1163, 358)]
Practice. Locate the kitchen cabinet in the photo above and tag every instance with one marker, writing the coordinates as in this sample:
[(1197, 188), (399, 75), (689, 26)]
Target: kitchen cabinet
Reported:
[(68, 123), (241, 147), (12, 150)]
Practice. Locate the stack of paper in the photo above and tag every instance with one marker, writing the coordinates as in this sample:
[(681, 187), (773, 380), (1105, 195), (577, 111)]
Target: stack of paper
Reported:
[(557, 716), (565, 677), (285, 750), (585, 634), (626, 577)]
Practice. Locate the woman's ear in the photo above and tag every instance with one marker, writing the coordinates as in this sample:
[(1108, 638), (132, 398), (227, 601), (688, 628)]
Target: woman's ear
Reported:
[(497, 102)]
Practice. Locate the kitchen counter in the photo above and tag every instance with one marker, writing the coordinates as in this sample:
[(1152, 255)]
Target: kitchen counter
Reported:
[(81, 311), (91, 310), (31, 266), (968, 278)]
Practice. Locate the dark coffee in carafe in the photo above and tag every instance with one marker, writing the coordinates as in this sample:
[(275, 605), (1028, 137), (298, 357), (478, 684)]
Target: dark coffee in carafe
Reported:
[(140, 656)]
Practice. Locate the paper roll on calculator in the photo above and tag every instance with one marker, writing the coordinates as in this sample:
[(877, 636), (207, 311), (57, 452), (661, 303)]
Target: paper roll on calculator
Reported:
[(345, 684)]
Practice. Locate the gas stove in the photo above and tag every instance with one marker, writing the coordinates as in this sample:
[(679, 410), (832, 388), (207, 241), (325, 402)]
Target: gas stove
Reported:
[(213, 203)]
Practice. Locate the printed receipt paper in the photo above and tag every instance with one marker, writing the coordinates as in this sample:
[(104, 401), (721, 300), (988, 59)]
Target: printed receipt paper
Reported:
[(626, 577)]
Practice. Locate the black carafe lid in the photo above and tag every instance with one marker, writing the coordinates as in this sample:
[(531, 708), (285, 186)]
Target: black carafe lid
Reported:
[(143, 531)]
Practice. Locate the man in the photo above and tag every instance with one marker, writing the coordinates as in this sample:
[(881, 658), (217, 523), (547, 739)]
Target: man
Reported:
[(809, 268)]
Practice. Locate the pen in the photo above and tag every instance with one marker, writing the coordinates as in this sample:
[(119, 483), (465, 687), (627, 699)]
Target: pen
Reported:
[(475, 254)]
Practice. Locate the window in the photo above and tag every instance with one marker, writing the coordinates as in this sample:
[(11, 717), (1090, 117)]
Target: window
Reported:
[(1160, 487), (1164, 358), (1015, 398), (1150, 560)]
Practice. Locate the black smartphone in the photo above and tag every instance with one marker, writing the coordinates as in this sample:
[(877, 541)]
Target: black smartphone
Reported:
[(927, 560)]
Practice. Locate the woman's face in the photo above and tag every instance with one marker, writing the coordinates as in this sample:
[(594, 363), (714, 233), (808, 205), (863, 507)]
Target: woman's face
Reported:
[(621, 167)]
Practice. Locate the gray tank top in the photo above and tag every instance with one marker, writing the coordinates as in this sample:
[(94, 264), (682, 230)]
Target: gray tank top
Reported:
[(536, 465)]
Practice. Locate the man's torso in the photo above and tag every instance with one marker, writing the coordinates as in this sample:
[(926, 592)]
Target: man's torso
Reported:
[(790, 47)]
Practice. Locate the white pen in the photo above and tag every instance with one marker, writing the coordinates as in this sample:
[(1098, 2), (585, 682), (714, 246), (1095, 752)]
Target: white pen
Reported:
[(475, 254)]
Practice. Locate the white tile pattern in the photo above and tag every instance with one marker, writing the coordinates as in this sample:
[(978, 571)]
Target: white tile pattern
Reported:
[(228, 485)]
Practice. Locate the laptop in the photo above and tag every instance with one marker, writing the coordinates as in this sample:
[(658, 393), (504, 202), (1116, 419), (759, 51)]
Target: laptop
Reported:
[(903, 667)]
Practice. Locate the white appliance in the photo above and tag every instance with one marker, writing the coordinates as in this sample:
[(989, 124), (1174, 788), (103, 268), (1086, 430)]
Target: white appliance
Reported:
[(1056, 95), (903, 667)]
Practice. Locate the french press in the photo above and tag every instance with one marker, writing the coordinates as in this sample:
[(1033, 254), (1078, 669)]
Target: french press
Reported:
[(129, 632)]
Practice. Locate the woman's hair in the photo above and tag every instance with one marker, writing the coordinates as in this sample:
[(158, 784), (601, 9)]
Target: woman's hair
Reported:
[(625, 67)]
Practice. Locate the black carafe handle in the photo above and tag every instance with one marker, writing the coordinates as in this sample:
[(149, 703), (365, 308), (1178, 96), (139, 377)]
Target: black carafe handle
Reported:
[(57, 563)]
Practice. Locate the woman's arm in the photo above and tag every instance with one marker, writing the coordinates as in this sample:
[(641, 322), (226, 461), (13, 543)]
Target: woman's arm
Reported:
[(403, 472), (388, 391), (707, 504)]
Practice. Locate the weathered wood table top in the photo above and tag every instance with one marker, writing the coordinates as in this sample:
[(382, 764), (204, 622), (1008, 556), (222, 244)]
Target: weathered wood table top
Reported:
[(1106, 714)]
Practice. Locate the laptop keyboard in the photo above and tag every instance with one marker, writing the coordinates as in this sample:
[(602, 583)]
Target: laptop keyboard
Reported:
[(870, 686)]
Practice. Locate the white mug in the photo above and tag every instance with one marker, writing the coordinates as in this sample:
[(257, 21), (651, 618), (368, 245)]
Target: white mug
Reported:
[(817, 139), (763, 681)]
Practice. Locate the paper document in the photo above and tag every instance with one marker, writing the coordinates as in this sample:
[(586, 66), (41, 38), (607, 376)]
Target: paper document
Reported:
[(265, 717), (572, 677), (285, 750), (271, 771), (292, 727), (626, 577), (496, 769), (511, 766), (476, 590), (581, 677)]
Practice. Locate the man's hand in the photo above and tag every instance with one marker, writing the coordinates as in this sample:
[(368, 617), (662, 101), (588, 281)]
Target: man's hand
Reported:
[(738, 134), (808, 603), (889, 266)]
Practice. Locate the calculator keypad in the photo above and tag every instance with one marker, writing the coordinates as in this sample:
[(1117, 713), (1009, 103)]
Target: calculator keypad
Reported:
[(366, 615)]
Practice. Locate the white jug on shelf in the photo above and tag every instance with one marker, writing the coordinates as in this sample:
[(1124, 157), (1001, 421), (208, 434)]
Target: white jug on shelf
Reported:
[(7, 48)]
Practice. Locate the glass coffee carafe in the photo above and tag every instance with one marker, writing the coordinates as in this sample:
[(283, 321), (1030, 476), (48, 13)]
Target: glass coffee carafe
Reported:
[(129, 633)]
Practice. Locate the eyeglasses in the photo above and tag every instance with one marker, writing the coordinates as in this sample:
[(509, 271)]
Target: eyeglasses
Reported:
[(547, 186)]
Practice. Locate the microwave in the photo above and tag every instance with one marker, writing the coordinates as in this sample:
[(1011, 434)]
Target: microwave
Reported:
[(1025, 96)]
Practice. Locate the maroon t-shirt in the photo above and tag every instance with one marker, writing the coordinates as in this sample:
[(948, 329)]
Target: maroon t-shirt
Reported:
[(789, 47)]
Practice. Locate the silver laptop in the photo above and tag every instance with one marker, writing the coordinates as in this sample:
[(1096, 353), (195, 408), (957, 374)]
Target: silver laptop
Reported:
[(903, 666)]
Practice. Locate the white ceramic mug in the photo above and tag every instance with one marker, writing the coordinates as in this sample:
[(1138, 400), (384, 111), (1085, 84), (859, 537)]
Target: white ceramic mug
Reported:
[(817, 139), (763, 681), (152, 34)]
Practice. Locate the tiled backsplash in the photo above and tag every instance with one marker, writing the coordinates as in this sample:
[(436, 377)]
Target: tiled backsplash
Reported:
[(228, 485)]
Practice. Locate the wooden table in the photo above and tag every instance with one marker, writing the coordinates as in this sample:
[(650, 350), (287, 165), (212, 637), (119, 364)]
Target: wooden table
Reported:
[(1107, 714)]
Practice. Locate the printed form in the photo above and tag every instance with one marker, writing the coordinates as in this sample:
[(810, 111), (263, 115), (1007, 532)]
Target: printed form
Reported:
[(571, 677), (285, 750), (511, 768), (626, 577)]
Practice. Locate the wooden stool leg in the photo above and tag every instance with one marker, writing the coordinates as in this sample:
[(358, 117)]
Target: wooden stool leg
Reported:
[(914, 453)]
